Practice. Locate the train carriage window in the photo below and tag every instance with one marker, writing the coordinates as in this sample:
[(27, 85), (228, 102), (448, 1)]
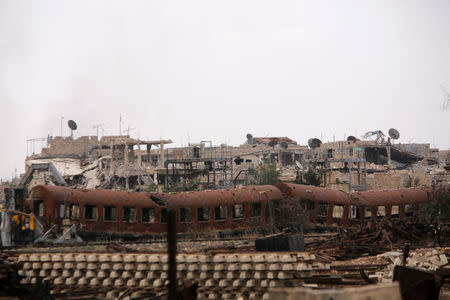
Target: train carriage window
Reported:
[(409, 210), (74, 211), (61, 210), (322, 209), (368, 212), (148, 215), (256, 210), (395, 212), (203, 214), (90, 212), (109, 213), (238, 211), (39, 208), (129, 214), (338, 211), (164, 215), (186, 215), (220, 213), (353, 212), (381, 211)]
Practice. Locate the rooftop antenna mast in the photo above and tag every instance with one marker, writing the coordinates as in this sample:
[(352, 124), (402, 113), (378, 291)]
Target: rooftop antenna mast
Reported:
[(120, 124), (97, 127), (62, 118), (129, 129)]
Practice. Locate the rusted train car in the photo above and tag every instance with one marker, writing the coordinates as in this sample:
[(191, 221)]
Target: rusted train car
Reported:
[(252, 207)]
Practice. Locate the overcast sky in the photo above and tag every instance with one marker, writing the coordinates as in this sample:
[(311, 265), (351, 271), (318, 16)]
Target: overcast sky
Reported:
[(217, 70)]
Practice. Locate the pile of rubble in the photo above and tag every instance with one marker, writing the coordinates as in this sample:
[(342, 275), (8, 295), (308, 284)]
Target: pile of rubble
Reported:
[(388, 236)]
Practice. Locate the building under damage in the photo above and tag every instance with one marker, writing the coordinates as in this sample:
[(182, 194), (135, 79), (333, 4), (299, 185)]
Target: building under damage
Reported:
[(121, 162)]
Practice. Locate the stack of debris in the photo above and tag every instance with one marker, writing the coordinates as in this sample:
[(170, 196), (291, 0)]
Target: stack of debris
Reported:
[(388, 236)]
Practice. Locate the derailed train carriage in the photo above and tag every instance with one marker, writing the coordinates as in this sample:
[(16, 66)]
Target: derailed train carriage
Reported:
[(266, 207)]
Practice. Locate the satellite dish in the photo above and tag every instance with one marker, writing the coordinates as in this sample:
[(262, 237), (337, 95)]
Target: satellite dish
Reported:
[(249, 138), (394, 134), (72, 125), (314, 143), (273, 143), (352, 138), (284, 145)]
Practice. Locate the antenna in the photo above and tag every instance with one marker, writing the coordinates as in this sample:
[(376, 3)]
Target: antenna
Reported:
[(394, 134), (129, 129), (97, 127), (73, 126), (62, 118), (284, 145), (272, 143), (314, 143)]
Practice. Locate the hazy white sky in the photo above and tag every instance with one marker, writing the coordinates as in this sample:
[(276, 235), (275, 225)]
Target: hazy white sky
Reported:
[(217, 70)]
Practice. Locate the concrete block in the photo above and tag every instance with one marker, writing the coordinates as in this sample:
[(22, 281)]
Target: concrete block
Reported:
[(105, 266), (274, 267), (36, 266), (45, 258), (71, 281), (56, 257), (80, 258), (91, 266), (164, 275), (220, 267), (117, 266), (116, 258), (223, 283), (285, 275), (23, 258), (33, 258), (58, 281), (231, 275), (66, 273), (154, 259), (158, 283), (233, 267), (83, 281), (152, 275), (155, 267), (231, 258), (141, 258), (218, 259), (47, 266), (272, 275), (373, 292), (27, 266), (126, 275), (91, 274), (119, 282), (140, 275), (78, 274), (68, 258), (260, 267), (102, 274), (193, 267), (238, 283), (95, 281), (259, 275), (114, 274), (144, 282), (287, 267), (244, 258), (245, 266), (205, 259), (69, 265), (218, 275), (250, 283), (129, 258), (164, 259), (104, 258), (132, 282), (210, 283), (112, 295), (54, 273), (206, 267), (245, 275), (258, 258), (129, 266), (92, 258), (81, 266)]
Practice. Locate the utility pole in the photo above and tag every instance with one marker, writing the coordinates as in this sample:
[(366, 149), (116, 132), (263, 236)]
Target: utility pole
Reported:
[(120, 124), (62, 118)]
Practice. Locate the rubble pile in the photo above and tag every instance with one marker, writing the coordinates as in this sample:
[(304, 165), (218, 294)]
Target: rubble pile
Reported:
[(388, 236)]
